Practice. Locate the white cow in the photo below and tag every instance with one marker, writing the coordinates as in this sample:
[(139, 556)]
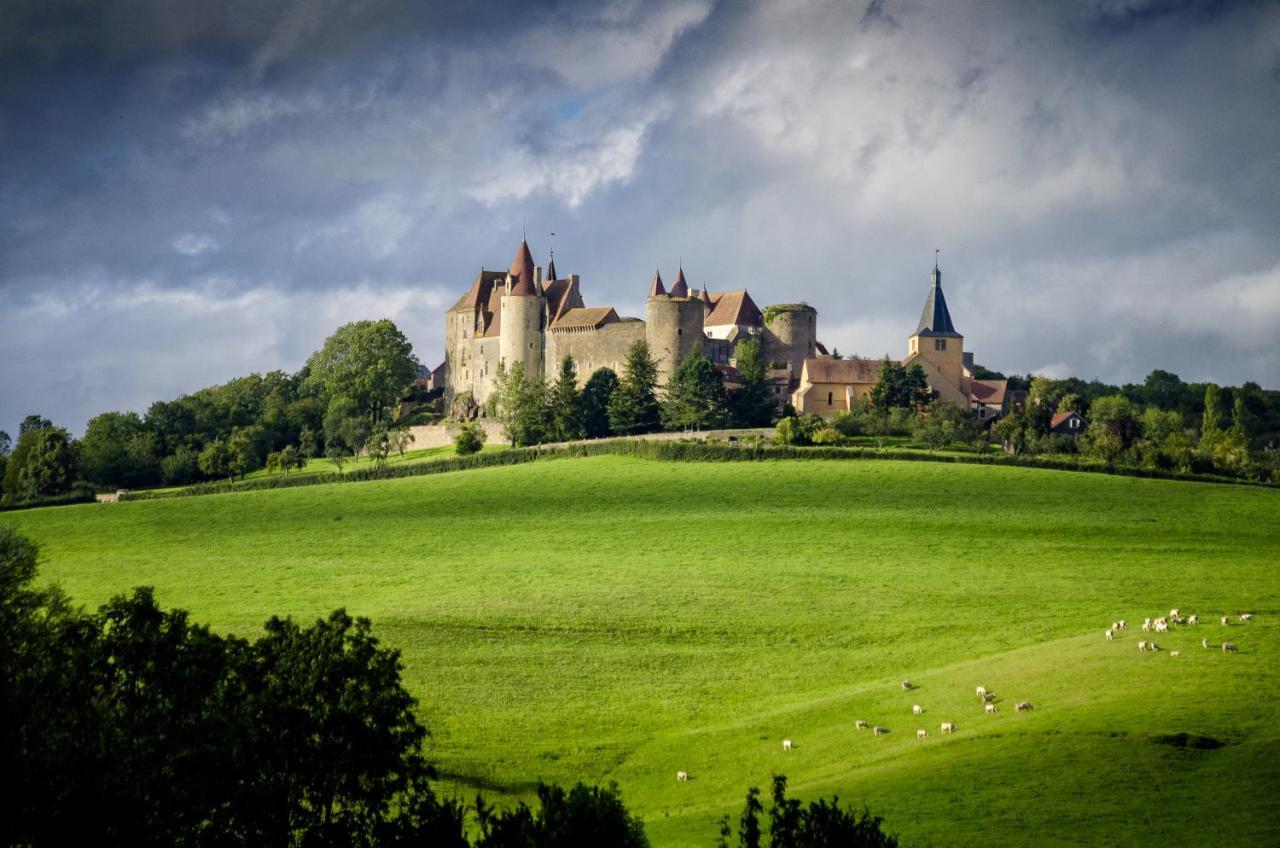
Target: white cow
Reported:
[(1175, 653), (1204, 643), (1173, 613), (1193, 619), (1142, 646), (916, 709), (860, 724), (1146, 624), (682, 776), (1246, 616), (878, 730), (1161, 626), (786, 744), (922, 734), (991, 708), (1154, 647), (1022, 706), (1226, 622), (1111, 634), (1229, 648), (948, 727), (1123, 624), (981, 691)]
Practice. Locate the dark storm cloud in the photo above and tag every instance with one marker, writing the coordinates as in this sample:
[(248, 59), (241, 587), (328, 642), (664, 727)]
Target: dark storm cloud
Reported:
[(190, 191)]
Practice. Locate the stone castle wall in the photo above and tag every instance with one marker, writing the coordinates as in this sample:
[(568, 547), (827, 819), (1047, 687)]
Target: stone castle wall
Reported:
[(605, 347), (674, 330), (791, 336)]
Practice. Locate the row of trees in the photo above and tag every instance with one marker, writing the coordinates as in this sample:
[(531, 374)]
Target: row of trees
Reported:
[(336, 405), (133, 726), (531, 411), (1122, 431)]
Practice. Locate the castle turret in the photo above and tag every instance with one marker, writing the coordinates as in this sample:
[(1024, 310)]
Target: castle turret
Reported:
[(936, 340), (791, 335), (520, 314), (673, 326), (681, 287)]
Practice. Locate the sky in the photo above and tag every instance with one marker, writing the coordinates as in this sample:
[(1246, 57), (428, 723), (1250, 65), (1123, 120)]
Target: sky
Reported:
[(192, 192)]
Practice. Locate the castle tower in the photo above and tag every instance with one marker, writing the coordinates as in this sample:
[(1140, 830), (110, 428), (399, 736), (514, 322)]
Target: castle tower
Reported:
[(791, 335), (681, 287), (673, 325), (520, 314), (936, 340)]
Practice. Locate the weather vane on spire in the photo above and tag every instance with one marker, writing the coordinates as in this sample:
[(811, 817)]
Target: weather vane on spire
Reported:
[(936, 251)]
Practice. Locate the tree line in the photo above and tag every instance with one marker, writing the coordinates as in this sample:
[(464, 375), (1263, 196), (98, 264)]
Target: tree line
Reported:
[(335, 406), (133, 726)]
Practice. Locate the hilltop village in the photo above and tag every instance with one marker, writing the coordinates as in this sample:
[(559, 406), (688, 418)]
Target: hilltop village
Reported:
[(532, 315)]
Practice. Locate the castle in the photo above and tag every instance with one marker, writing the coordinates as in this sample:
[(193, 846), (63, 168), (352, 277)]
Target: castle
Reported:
[(537, 318)]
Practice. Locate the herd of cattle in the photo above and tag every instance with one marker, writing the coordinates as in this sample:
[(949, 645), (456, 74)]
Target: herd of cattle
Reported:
[(988, 699)]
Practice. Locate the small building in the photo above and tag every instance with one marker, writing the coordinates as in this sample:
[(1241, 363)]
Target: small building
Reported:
[(828, 386), (1067, 424), (989, 399)]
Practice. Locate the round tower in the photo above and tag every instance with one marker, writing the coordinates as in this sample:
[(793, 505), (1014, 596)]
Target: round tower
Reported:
[(791, 334), (673, 329), (520, 315)]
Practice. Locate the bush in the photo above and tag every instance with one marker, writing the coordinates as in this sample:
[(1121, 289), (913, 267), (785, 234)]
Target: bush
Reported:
[(470, 439)]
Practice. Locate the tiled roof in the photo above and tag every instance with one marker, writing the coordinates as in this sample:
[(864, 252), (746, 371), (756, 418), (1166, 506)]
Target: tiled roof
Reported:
[(657, 288), (479, 291), (935, 320), (847, 371), (735, 307), (522, 272), (596, 316), (681, 287), (989, 392), (1060, 417)]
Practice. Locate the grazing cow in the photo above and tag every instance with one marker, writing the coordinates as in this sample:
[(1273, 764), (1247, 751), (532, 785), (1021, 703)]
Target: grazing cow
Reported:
[(989, 697), (982, 691), (916, 709), (1173, 613), (1246, 616), (1175, 653), (1229, 648), (922, 734), (860, 724), (1123, 624), (878, 730), (1142, 646), (1146, 625), (1204, 643), (1022, 706), (1154, 647), (948, 727), (1111, 634), (786, 744), (1193, 619), (906, 684), (1161, 626), (1226, 621), (682, 776), (991, 708)]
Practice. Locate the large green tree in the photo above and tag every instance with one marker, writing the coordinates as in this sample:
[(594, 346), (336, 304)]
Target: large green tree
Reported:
[(370, 362), (595, 402), (43, 464), (633, 407), (119, 450), (564, 405), (751, 404), (695, 396), (518, 403), (900, 387)]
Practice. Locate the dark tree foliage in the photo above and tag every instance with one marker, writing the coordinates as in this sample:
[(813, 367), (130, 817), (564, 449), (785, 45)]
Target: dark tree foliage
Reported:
[(564, 405), (6, 443), (32, 423), (695, 397), (595, 402), (821, 824), (118, 450), (900, 387), (633, 407), (44, 463), (583, 817), (751, 404)]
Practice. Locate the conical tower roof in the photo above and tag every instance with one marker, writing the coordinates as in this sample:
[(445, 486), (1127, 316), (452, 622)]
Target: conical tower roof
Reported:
[(935, 320), (521, 272), (681, 287), (657, 289), (551, 268)]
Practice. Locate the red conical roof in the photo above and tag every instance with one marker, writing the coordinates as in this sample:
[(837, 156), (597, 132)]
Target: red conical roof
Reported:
[(681, 288), (657, 288), (551, 268), (522, 272)]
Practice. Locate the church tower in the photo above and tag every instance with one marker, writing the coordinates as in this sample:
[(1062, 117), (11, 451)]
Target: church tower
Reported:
[(936, 340)]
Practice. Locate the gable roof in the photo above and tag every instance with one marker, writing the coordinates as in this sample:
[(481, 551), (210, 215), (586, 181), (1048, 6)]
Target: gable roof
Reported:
[(848, 371), (734, 307), (478, 294), (989, 392), (935, 320), (596, 316), (1063, 417), (562, 295)]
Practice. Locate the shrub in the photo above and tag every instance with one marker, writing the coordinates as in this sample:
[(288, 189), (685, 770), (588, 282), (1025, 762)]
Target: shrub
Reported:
[(470, 439)]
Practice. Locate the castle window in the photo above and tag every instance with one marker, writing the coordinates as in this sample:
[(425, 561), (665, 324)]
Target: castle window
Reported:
[(829, 397), (679, 331)]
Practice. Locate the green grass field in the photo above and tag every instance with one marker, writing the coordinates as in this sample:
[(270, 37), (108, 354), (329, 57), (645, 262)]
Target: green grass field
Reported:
[(621, 619)]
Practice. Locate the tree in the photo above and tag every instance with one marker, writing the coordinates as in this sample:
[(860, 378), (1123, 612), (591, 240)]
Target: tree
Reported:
[(1016, 432), (820, 824), (288, 458), (245, 449), (370, 362), (518, 403), (119, 450), (876, 423), (633, 407), (751, 404), (378, 444), (215, 459), (180, 467), (695, 396), (564, 418), (595, 403), (1211, 423), (399, 439), (32, 424), (6, 443), (308, 443), (48, 467), (470, 439), (345, 427), (944, 423), (899, 387), (337, 455), (583, 817)]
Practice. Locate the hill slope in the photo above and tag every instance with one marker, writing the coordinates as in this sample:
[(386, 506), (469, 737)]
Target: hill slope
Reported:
[(619, 619)]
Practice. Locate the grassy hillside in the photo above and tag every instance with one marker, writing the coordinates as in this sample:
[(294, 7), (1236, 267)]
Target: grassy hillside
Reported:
[(620, 619)]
